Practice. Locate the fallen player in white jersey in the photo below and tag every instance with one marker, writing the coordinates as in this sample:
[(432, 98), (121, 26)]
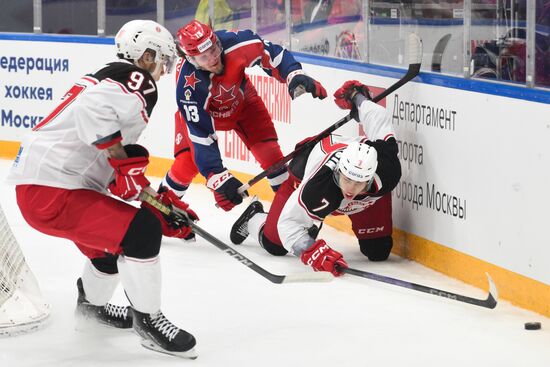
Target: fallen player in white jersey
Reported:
[(338, 176)]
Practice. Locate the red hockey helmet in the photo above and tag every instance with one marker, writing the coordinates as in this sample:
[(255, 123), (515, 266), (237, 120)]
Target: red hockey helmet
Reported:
[(196, 37)]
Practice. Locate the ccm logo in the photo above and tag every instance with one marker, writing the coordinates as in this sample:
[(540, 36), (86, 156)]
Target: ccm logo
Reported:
[(220, 180), (317, 253), (136, 171), (370, 230)]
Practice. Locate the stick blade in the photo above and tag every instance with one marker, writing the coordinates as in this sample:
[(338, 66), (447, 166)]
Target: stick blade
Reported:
[(493, 292), (318, 277), (414, 48)]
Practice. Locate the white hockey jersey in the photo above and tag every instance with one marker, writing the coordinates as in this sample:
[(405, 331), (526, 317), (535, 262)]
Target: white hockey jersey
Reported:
[(66, 148), (319, 195)]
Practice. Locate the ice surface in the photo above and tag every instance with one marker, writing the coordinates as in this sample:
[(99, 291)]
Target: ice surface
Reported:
[(241, 319)]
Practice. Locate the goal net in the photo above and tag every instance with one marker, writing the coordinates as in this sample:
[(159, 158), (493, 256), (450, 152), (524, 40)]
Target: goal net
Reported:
[(22, 307)]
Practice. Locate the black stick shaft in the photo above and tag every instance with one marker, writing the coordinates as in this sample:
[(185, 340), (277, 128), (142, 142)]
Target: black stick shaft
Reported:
[(275, 167), (274, 278), (278, 279), (489, 302), (412, 72)]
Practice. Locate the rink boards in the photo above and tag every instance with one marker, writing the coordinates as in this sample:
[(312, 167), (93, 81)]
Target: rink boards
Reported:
[(474, 154)]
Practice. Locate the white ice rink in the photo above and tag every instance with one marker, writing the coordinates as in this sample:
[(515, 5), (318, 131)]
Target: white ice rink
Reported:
[(241, 319)]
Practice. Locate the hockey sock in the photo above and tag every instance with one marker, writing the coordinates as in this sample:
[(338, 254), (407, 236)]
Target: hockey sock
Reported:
[(277, 178), (141, 279), (98, 286), (179, 188), (255, 225)]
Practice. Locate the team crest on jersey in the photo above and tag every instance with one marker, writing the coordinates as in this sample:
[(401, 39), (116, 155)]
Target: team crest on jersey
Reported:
[(225, 95), (355, 206), (191, 81), (187, 94)]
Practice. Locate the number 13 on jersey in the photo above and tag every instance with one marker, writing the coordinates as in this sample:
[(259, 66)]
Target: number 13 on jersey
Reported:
[(191, 113)]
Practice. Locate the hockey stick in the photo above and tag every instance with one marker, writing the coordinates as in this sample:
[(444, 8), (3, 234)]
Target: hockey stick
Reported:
[(415, 59), (438, 52), (489, 302), (278, 279)]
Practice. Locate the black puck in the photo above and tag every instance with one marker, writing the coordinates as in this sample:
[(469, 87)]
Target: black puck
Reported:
[(532, 326)]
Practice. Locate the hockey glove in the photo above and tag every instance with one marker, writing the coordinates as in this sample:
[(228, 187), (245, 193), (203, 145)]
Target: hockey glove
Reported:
[(176, 224), (300, 82), (225, 188), (303, 142), (130, 173), (343, 97), (322, 258)]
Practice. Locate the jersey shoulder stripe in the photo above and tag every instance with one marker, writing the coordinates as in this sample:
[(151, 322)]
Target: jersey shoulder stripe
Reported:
[(230, 39)]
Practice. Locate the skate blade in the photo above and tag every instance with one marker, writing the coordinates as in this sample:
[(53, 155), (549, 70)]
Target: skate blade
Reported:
[(91, 325), (190, 354)]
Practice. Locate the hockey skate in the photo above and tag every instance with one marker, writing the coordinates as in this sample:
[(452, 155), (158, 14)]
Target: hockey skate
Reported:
[(159, 334), (239, 231), (111, 315)]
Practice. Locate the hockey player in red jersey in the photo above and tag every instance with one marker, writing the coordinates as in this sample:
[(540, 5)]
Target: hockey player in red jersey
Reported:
[(85, 147), (338, 176), (215, 94)]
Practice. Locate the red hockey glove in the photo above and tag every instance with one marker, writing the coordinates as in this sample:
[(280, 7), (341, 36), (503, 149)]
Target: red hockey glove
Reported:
[(130, 173), (173, 225), (225, 188), (322, 258), (305, 82), (343, 96)]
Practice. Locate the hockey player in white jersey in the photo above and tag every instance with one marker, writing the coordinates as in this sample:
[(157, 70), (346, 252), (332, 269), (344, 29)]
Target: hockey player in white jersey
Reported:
[(338, 176), (85, 148)]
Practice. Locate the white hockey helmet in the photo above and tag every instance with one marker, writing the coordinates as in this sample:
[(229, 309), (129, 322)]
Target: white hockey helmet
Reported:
[(138, 36), (358, 162)]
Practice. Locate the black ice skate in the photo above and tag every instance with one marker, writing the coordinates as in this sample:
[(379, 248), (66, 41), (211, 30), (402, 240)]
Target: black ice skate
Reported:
[(110, 315), (159, 334), (239, 231)]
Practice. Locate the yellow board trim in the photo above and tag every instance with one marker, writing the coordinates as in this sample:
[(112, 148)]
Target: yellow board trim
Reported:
[(521, 291), (9, 149)]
